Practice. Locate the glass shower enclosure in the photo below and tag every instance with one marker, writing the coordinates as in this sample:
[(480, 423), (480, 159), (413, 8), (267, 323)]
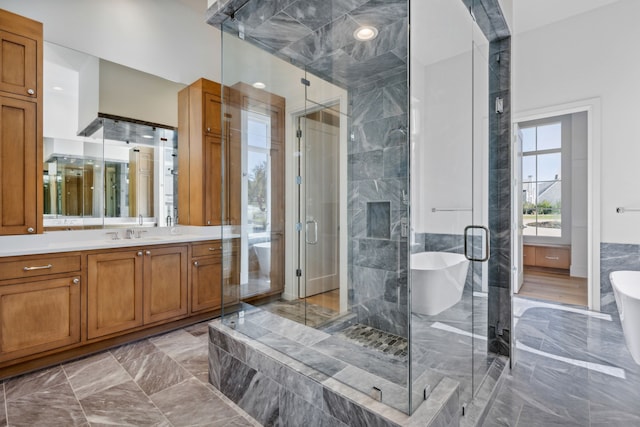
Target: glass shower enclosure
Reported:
[(356, 190)]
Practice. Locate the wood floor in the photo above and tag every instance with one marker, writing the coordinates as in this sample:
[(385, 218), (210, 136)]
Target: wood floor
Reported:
[(552, 286), (329, 300)]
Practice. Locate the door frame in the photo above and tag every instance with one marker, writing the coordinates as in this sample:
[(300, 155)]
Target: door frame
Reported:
[(291, 247), (593, 108)]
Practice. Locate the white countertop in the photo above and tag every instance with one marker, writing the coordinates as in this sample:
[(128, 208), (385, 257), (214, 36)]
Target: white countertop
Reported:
[(81, 240)]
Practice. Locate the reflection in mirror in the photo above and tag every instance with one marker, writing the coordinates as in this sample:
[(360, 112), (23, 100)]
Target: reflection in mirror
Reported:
[(115, 171)]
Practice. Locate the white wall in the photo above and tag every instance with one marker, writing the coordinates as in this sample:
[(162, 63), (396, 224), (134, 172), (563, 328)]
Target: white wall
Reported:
[(162, 37), (591, 56)]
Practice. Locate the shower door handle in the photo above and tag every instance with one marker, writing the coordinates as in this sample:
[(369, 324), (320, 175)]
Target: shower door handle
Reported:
[(315, 232), (486, 242)]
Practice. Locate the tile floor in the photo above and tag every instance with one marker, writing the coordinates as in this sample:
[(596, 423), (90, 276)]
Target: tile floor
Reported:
[(572, 369), (160, 381)]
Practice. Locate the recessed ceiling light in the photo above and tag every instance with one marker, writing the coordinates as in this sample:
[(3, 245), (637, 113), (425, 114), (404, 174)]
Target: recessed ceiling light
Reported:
[(148, 136), (259, 85), (365, 33), (58, 88)]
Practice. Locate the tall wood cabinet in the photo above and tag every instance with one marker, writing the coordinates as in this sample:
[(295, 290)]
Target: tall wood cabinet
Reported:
[(21, 193), (200, 154)]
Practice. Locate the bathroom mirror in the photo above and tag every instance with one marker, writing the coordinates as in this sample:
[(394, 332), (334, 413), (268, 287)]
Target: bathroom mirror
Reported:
[(110, 144)]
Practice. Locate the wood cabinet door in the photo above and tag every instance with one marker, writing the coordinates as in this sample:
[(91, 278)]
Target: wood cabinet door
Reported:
[(165, 283), (39, 315), (114, 292), (18, 167), (206, 276), (213, 180), (212, 119), (18, 64)]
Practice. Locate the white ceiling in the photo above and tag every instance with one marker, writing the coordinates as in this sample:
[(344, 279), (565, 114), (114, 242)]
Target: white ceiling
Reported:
[(531, 14)]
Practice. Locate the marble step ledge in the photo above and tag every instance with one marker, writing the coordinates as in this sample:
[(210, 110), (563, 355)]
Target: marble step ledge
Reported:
[(276, 389)]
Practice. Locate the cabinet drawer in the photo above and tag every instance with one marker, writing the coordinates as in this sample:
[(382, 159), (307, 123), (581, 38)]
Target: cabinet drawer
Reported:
[(207, 249), (553, 257), (17, 268)]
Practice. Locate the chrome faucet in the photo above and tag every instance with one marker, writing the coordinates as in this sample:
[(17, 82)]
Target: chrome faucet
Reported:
[(130, 233)]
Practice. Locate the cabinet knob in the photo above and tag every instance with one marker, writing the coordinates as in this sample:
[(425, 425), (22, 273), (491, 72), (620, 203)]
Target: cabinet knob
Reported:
[(195, 263), (208, 129), (30, 230), (208, 222), (76, 281), (148, 252), (140, 253), (31, 91)]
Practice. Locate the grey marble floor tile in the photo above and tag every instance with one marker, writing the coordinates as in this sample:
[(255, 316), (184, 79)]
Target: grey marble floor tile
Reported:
[(36, 381), (177, 344), (95, 373), (198, 329), (155, 372), (132, 351), (51, 406), (534, 416), (190, 403), (124, 404), (603, 415), (3, 407)]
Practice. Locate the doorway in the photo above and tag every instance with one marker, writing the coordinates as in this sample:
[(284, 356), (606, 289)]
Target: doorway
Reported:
[(551, 216)]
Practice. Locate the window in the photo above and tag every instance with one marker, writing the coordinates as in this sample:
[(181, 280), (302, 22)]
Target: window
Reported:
[(257, 167), (542, 180)]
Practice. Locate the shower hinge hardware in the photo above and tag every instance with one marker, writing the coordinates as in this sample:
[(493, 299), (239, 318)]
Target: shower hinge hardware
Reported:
[(298, 180), (499, 105), (376, 393), (305, 82), (298, 272), (426, 392), (299, 133), (298, 226)]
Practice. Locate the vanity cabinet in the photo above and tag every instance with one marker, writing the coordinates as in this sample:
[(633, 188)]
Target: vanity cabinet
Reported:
[(214, 277), (547, 256), (39, 304), (128, 289), (21, 197), (200, 154)]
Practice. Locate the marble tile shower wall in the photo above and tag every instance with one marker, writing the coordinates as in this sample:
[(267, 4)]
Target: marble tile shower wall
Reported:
[(377, 172), (613, 257), (499, 190)]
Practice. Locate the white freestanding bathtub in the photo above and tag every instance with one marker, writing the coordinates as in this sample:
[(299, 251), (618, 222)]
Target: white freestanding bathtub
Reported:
[(437, 281), (626, 289), (263, 252)]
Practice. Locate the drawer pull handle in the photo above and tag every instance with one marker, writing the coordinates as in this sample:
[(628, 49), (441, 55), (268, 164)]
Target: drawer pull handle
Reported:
[(215, 249), (31, 91), (195, 263), (148, 252), (139, 253), (40, 267), (555, 258), (76, 281), (30, 230)]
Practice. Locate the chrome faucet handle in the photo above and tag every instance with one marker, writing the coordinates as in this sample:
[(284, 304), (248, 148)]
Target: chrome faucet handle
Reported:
[(140, 233), (114, 235), (130, 233)]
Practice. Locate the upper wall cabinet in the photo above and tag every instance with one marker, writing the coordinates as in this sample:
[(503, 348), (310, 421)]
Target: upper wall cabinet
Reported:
[(20, 125), (19, 47)]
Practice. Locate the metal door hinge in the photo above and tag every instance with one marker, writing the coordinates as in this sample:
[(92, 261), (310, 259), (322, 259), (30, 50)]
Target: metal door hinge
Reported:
[(499, 105), (299, 133), (298, 273), (298, 180), (305, 82)]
